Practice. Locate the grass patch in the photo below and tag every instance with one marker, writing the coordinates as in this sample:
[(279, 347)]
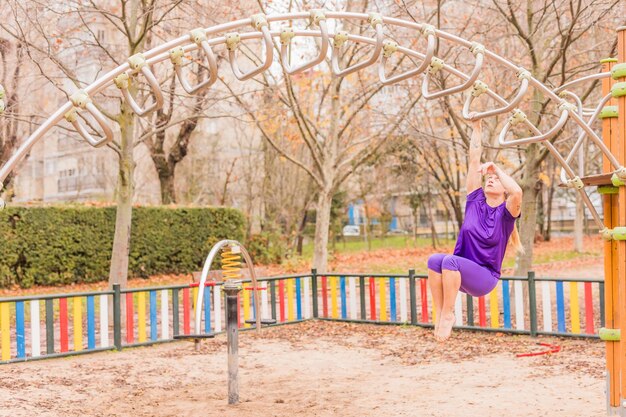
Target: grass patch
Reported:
[(549, 257), (358, 244)]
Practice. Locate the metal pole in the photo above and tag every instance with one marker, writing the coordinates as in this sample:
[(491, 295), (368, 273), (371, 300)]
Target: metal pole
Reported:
[(314, 292), (470, 310), (412, 296), (362, 297), (532, 300), (231, 289), (117, 317)]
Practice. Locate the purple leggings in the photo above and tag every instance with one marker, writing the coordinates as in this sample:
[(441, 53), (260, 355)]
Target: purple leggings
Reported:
[(475, 279)]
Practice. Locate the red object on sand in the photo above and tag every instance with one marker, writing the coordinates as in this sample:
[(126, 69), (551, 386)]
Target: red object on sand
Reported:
[(553, 349)]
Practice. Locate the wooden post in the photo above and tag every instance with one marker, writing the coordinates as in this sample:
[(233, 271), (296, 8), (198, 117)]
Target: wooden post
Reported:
[(620, 152), (609, 136)]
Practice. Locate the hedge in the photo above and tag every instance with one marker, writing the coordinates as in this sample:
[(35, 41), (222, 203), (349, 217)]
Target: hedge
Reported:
[(64, 245)]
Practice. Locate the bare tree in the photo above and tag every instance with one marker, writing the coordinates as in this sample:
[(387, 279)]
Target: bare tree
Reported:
[(38, 25), (11, 55), (548, 38), (337, 120), (549, 33)]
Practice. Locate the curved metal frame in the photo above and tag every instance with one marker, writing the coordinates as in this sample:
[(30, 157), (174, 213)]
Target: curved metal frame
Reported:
[(176, 56), (232, 41), (541, 137), (287, 34), (582, 133), (392, 47), (581, 80), (205, 273), (376, 22), (121, 75), (436, 65), (72, 117), (81, 100), (523, 88), (123, 81)]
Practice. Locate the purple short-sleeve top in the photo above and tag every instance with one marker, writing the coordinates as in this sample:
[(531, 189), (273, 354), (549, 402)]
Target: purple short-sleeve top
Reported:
[(485, 232)]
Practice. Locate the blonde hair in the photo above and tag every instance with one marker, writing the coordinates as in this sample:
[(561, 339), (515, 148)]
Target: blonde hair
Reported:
[(515, 241)]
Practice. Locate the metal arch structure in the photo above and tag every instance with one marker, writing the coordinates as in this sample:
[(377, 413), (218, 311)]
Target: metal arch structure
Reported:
[(274, 34), (215, 250), (269, 30)]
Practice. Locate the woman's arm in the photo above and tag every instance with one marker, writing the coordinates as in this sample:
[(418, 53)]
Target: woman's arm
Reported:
[(514, 201), (474, 179)]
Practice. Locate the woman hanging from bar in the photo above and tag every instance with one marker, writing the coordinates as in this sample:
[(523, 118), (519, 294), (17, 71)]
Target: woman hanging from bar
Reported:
[(493, 204)]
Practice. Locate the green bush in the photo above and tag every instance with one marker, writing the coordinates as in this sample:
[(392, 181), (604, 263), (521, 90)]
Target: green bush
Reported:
[(60, 245), (266, 248)]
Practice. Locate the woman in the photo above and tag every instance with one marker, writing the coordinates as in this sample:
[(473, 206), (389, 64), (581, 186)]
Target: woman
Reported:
[(490, 214)]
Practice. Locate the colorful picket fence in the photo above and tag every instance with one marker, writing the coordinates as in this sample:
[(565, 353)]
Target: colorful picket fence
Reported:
[(551, 306), (67, 324)]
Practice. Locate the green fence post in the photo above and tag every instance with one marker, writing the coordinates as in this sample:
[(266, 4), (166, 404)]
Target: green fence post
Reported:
[(532, 301), (601, 294), (50, 326), (314, 291), (413, 296), (470, 310), (117, 317), (273, 296), (362, 298), (175, 313)]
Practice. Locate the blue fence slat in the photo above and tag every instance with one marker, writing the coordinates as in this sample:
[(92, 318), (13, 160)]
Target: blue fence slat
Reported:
[(91, 322), (506, 302), (153, 315), (298, 298), (392, 298), (207, 309), (344, 307), (19, 329), (560, 306), (252, 301)]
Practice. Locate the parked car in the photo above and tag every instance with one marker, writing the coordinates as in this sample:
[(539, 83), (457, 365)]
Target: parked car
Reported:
[(351, 230)]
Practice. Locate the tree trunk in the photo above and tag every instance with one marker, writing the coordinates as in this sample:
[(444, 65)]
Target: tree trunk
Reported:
[(121, 241), (327, 189), (322, 223), (541, 213), (366, 226), (579, 224), (548, 234), (300, 236), (579, 219), (166, 179), (431, 218), (415, 223), (528, 221), (530, 188), (9, 129)]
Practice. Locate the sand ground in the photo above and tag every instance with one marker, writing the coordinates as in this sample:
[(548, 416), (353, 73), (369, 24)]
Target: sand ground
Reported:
[(319, 368)]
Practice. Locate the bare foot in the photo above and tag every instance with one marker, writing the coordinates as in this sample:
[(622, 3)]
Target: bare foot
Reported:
[(445, 326), (436, 322)]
